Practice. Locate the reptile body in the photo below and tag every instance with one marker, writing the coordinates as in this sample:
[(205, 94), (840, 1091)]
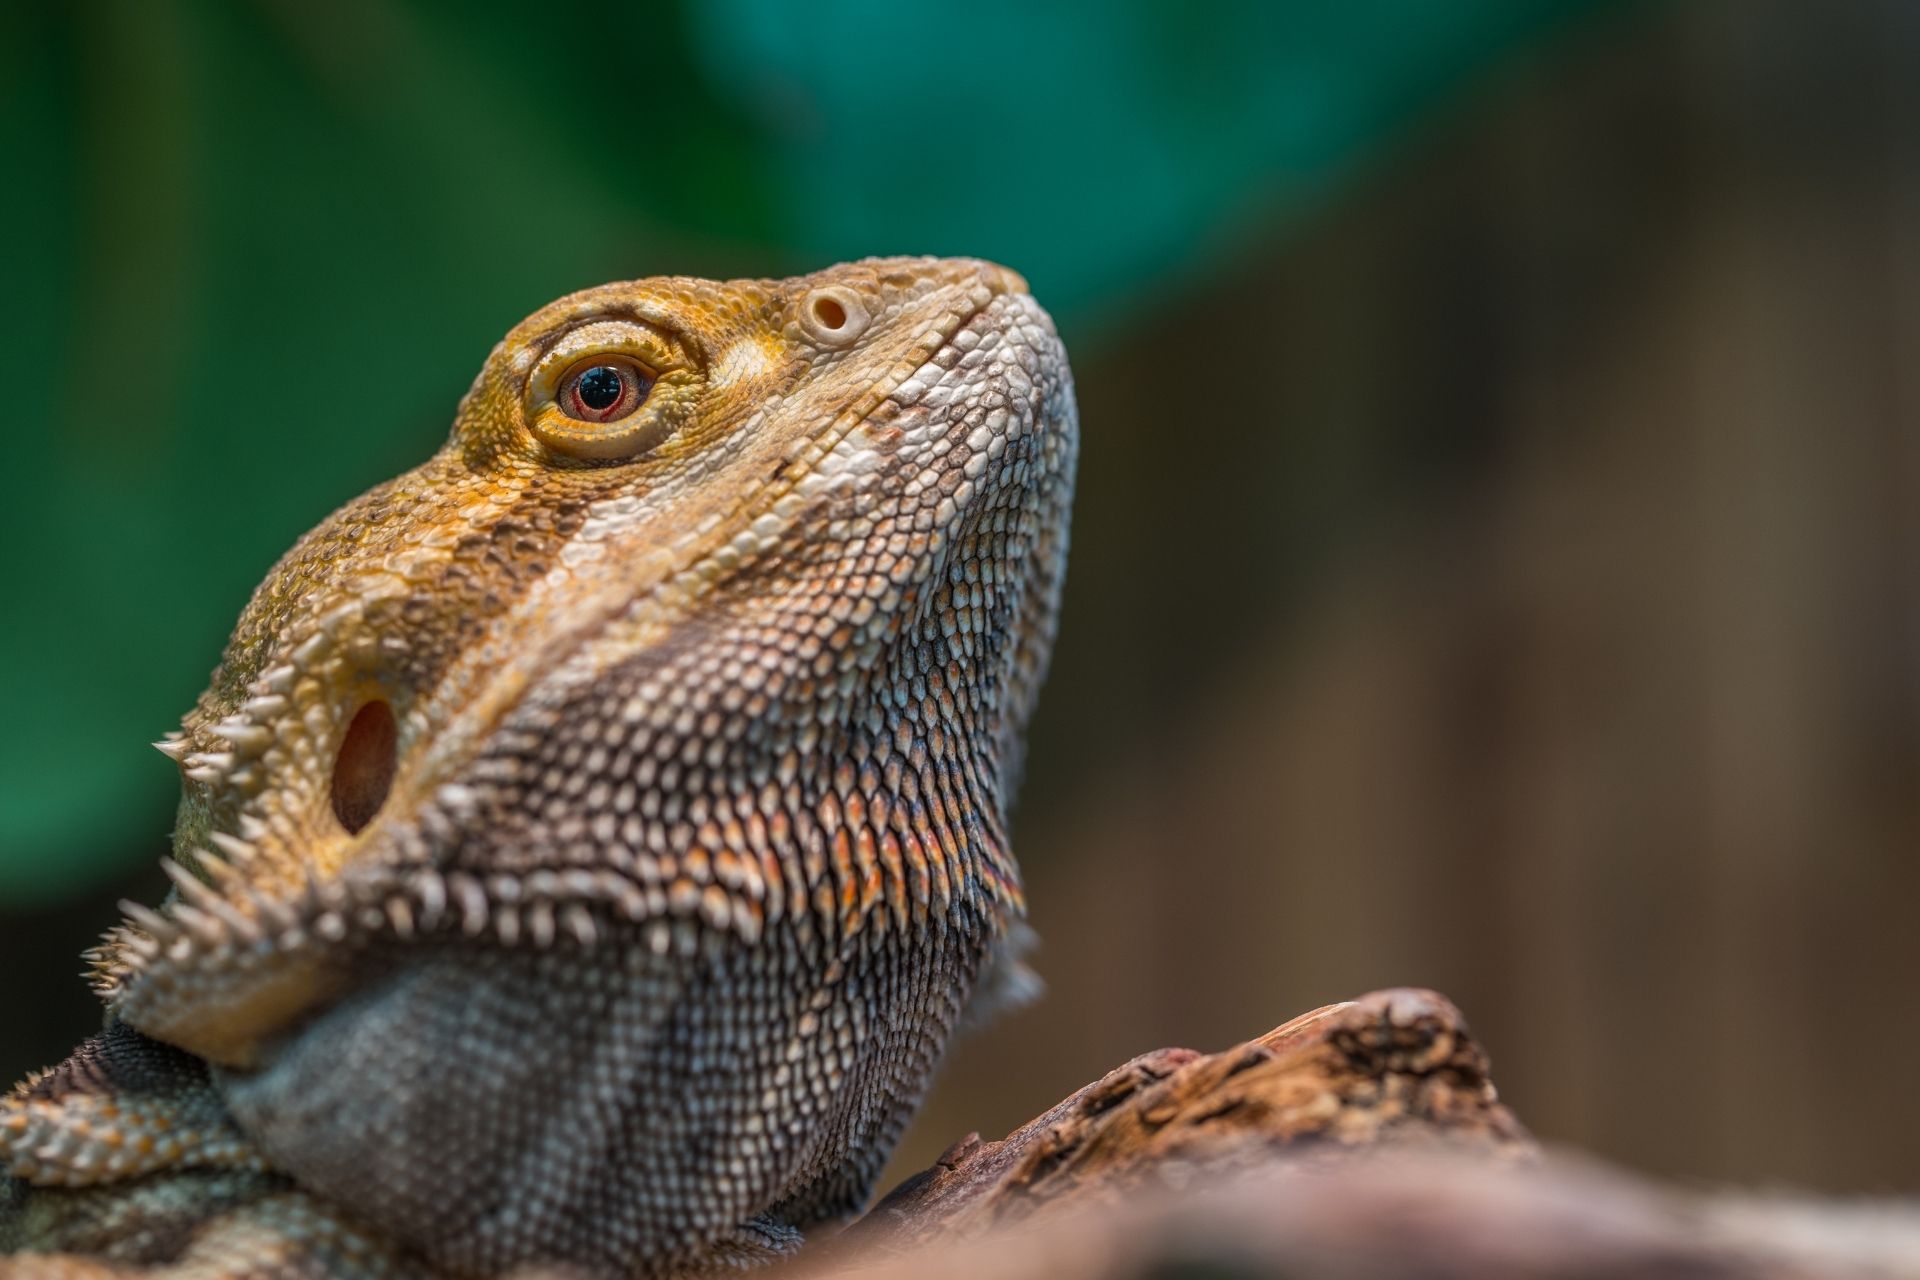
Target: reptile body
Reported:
[(590, 838)]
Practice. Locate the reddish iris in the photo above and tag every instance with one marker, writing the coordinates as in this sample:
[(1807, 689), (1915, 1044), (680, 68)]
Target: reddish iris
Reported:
[(603, 392)]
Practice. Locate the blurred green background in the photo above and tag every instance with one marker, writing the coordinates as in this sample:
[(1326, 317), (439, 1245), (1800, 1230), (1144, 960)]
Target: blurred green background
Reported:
[(262, 247), (1494, 562)]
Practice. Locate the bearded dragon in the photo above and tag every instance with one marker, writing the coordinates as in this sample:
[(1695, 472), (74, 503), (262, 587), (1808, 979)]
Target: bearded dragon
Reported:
[(591, 838)]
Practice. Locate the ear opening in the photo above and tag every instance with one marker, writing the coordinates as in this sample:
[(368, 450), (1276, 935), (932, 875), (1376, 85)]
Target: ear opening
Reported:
[(363, 771)]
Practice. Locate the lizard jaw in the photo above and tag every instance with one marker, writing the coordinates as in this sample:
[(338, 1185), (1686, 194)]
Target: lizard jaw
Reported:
[(267, 925)]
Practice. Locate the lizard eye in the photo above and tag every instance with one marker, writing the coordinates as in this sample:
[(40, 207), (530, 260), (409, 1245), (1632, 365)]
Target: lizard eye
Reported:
[(603, 389), (608, 391)]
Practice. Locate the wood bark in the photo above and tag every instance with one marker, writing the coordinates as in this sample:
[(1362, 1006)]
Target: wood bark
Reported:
[(1361, 1139)]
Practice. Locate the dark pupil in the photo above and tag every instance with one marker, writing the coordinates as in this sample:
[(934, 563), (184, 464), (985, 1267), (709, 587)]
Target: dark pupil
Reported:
[(599, 388)]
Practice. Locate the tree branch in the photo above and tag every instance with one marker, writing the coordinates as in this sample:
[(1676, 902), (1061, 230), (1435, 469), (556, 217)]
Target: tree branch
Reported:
[(1362, 1139)]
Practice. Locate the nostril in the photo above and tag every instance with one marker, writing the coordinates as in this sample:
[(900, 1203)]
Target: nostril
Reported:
[(829, 313), (363, 771), (834, 316)]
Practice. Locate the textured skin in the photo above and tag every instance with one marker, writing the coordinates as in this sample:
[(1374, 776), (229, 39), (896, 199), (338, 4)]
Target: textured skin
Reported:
[(630, 940)]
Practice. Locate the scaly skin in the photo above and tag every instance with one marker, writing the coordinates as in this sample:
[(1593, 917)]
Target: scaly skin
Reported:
[(628, 940)]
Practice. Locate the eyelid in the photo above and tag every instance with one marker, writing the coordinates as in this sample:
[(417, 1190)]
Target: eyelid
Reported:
[(653, 350)]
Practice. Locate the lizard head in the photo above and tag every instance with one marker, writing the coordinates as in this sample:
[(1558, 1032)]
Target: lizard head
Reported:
[(704, 572)]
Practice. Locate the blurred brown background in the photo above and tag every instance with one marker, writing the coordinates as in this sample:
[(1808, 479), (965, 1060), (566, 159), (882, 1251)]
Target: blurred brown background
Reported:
[(1509, 586), (1498, 572)]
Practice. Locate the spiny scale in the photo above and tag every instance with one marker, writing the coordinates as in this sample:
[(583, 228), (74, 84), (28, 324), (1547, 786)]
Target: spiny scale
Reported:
[(591, 838)]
